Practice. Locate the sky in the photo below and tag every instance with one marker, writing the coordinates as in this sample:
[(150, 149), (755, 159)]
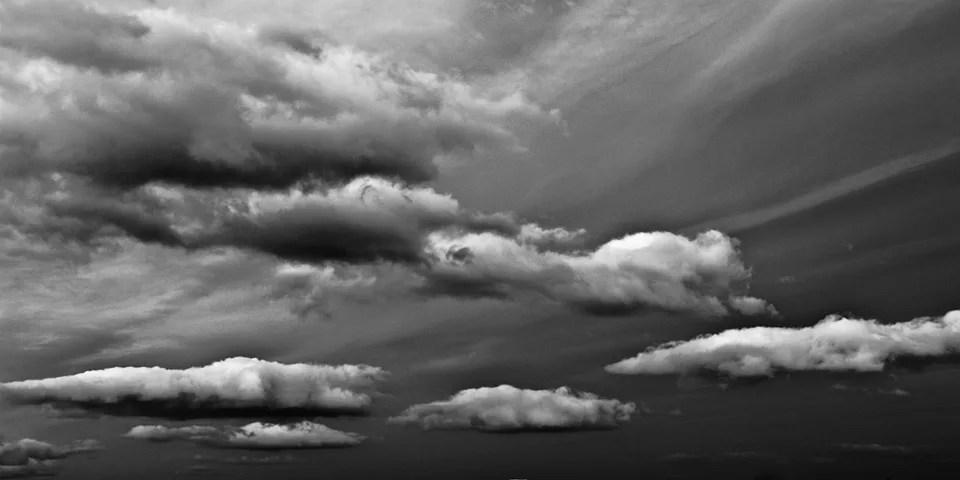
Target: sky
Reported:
[(534, 239)]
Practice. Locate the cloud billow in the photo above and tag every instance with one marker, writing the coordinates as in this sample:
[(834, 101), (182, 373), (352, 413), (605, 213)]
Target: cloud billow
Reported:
[(834, 344), (233, 387), (509, 409), (108, 96)]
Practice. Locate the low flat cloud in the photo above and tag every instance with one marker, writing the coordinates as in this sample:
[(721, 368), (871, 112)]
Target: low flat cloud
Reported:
[(507, 408), (833, 344), (33, 458), (233, 387), (160, 433), (254, 436)]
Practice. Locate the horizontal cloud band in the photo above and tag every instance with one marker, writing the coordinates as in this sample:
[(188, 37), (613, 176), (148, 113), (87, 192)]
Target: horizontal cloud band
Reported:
[(833, 344), (254, 436), (234, 383)]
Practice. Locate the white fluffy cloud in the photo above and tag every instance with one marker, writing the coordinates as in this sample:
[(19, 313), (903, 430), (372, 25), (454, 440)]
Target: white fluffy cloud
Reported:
[(507, 408), (254, 436), (833, 344), (234, 383), (642, 270)]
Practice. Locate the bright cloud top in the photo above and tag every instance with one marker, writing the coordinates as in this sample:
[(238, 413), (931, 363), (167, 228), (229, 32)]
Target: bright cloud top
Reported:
[(833, 344), (254, 436), (642, 270), (234, 383), (507, 408)]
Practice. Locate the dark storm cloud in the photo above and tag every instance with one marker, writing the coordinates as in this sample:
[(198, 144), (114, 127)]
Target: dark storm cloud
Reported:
[(244, 109), (833, 344), (131, 219), (510, 409), (232, 387), (254, 436), (367, 220)]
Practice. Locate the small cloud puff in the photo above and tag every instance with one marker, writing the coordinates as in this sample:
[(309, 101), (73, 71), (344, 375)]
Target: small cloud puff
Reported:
[(833, 344), (254, 436), (507, 408), (232, 384)]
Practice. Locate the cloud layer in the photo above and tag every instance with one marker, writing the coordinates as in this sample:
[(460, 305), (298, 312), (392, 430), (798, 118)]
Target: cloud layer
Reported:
[(833, 344), (109, 95), (507, 408), (254, 436), (33, 458), (229, 386)]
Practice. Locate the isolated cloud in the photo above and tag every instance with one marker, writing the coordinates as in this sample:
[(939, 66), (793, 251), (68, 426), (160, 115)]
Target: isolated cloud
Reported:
[(111, 96), (160, 433), (643, 270), (254, 436), (226, 387), (32, 458), (506, 408), (833, 344)]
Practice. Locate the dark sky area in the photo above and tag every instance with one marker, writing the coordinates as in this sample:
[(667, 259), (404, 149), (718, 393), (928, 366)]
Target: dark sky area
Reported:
[(729, 226)]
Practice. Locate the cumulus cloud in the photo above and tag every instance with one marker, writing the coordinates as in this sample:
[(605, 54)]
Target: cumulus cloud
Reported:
[(254, 436), (833, 344), (643, 270), (194, 132), (234, 386), (33, 458), (109, 95), (507, 408)]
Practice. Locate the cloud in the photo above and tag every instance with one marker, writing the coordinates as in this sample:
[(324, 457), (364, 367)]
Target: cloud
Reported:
[(639, 271), (506, 408), (160, 433), (833, 344), (235, 386), (254, 436), (33, 458), (110, 96), (367, 220)]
